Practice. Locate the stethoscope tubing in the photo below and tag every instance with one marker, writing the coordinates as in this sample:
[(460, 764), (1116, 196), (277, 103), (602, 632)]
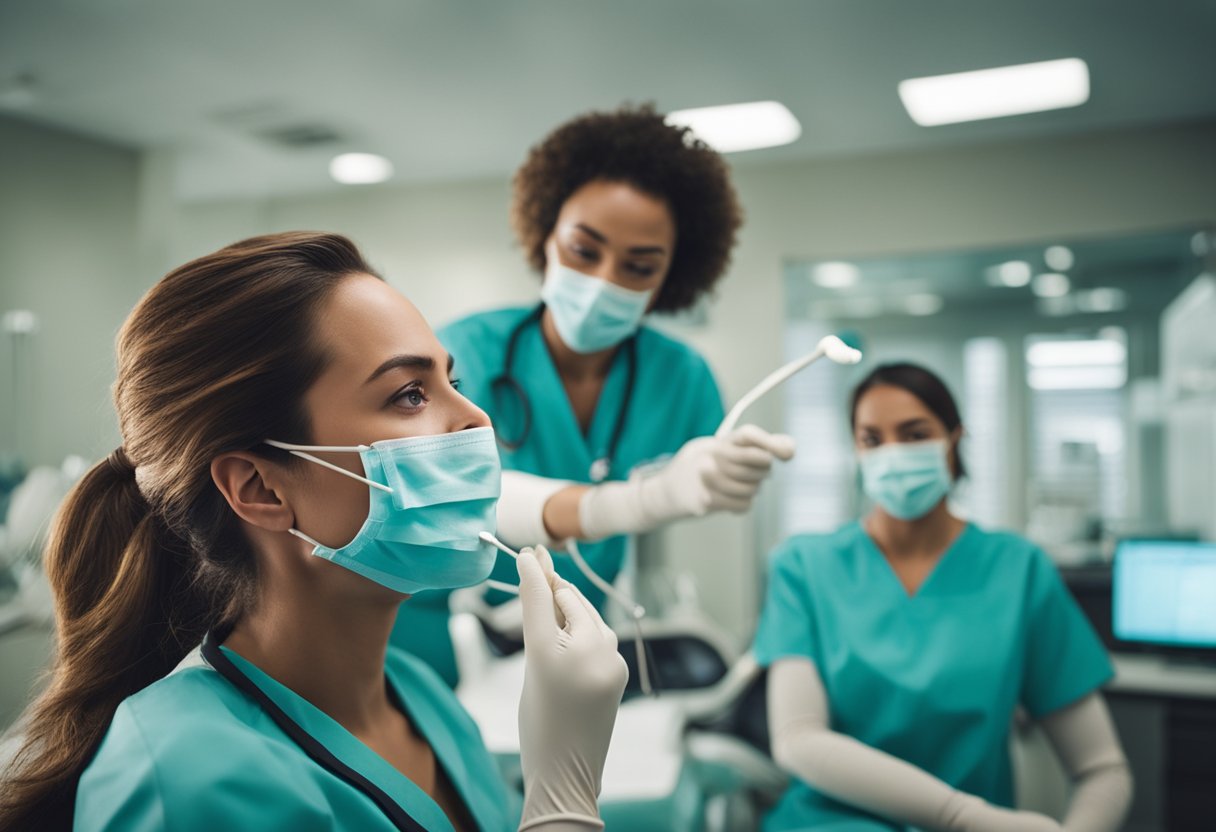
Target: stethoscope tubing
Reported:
[(600, 468)]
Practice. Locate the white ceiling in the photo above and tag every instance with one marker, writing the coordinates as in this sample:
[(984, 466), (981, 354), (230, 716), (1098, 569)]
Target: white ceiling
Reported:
[(458, 89)]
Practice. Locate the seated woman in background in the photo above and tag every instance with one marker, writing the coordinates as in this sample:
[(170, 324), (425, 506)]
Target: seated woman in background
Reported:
[(900, 647)]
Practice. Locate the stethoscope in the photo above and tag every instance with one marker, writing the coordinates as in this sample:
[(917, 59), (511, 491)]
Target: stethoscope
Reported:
[(321, 755), (505, 382)]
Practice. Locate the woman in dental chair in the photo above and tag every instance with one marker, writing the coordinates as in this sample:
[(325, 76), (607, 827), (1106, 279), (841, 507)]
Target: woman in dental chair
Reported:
[(900, 646)]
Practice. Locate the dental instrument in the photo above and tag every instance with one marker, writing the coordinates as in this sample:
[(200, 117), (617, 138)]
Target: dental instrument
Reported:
[(830, 346)]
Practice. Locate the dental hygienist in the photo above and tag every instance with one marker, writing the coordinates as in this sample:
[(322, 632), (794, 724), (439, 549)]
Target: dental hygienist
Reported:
[(295, 464), (901, 646), (623, 215)]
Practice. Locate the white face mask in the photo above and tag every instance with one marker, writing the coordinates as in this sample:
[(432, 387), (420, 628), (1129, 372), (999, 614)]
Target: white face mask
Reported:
[(907, 479), (429, 498), (591, 314)]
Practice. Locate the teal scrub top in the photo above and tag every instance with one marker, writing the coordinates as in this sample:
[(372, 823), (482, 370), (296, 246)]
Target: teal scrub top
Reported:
[(675, 399), (192, 752), (931, 678)]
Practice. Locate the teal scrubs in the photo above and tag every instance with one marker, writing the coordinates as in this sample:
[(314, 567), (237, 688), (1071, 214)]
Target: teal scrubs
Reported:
[(192, 752), (931, 678), (674, 399)]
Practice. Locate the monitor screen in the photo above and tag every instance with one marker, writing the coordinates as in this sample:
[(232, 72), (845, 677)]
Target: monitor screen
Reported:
[(1165, 593)]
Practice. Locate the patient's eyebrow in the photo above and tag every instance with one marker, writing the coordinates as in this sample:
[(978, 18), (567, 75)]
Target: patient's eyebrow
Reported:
[(417, 362)]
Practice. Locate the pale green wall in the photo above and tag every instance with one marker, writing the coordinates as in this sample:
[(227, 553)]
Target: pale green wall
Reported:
[(68, 253)]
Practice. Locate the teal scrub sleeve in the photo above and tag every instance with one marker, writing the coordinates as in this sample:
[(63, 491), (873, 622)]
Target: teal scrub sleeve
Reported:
[(1064, 659), (133, 785), (121, 798), (196, 781), (708, 411), (787, 626)]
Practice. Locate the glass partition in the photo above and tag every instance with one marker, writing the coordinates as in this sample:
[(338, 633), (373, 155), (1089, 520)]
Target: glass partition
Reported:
[(1053, 351)]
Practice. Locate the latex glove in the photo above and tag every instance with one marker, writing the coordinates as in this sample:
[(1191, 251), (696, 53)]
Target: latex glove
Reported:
[(978, 815), (521, 508), (707, 474), (573, 681)]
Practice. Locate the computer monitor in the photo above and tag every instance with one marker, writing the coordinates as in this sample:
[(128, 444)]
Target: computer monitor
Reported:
[(1165, 593)]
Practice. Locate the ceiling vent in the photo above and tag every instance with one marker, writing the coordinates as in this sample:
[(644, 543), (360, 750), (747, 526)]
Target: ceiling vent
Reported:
[(274, 122), (301, 135)]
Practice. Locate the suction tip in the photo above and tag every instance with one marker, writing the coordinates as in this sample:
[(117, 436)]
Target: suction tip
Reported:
[(838, 351)]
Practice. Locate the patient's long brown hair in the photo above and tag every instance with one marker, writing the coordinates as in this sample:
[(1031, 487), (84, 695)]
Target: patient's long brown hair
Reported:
[(216, 357)]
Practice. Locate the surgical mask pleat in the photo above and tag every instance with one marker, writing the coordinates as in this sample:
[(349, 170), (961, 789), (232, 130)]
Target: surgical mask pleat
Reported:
[(907, 480), (424, 535), (591, 314)]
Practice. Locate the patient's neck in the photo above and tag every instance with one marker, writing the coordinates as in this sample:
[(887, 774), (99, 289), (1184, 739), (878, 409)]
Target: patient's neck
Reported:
[(926, 537)]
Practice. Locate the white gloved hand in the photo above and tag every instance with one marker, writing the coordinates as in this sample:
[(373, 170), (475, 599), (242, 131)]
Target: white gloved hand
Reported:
[(573, 682), (707, 474), (977, 815), (521, 508)]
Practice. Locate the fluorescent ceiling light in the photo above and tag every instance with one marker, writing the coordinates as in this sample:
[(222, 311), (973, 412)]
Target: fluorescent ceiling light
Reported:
[(1014, 274), (735, 127), (923, 304), (1051, 285), (360, 169), (1059, 258), (862, 307), (990, 93), (1103, 299), (19, 322), (835, 275), (1077, 378), (1093, 353)]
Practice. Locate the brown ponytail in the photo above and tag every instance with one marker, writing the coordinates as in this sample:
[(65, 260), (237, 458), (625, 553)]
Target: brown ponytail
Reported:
[(144, 555)]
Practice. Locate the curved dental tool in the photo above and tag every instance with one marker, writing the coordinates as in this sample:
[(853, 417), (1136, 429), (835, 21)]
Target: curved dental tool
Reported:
[(830, 346), (635, 610)]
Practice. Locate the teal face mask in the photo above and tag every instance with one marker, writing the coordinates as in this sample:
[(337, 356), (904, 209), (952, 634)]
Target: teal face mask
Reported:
[(591, 314), (906, 479), (430, 497)]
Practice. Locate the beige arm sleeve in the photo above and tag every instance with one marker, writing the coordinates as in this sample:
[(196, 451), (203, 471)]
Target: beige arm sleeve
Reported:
[(838, 765), (1084, 739), (521, 508)]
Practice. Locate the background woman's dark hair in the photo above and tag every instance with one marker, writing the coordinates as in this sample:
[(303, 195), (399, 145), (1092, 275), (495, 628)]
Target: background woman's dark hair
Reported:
[(216, 357), (635, 146), (922, 383)]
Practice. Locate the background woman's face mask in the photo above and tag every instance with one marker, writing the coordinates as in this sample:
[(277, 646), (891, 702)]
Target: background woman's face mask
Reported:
[(907, 478), (430, 498), (591, 314)]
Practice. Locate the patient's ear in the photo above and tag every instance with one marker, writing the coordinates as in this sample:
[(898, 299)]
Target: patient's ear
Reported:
[(252, 486)]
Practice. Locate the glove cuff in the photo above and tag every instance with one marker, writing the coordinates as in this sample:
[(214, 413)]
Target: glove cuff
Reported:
[(561, 822), (521, 508), (613, 508)]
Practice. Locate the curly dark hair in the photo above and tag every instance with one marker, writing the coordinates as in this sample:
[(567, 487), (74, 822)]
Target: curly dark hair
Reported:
[(633, 145)]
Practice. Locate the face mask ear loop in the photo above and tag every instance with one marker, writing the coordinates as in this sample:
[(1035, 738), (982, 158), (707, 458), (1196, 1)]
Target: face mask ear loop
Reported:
[(297, 450), (305, 538), (635, 611)]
